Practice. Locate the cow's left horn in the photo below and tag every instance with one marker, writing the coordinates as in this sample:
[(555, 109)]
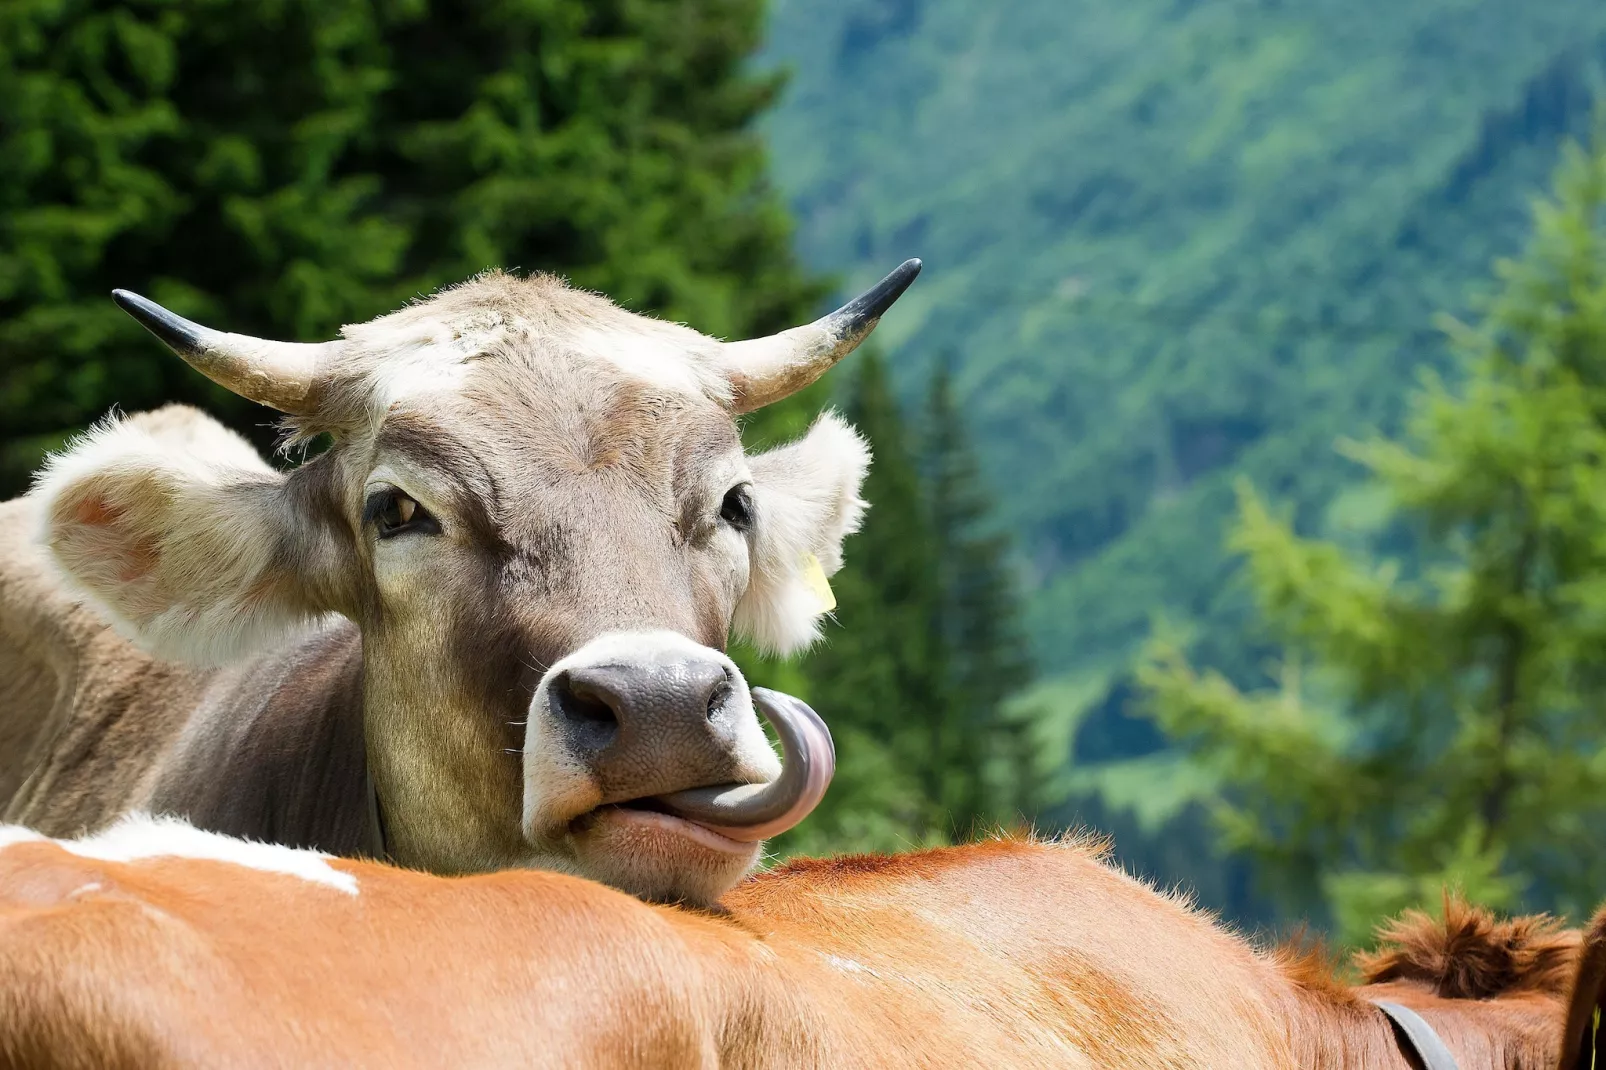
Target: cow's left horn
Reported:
[(751, 812), (765, 370), (277, 374)]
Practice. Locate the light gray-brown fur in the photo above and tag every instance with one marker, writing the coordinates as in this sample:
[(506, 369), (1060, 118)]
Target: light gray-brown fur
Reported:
[(184, 628)]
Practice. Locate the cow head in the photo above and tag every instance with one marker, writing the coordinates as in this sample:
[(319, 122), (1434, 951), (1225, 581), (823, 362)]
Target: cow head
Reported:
[(537, 509), (1519, 992)]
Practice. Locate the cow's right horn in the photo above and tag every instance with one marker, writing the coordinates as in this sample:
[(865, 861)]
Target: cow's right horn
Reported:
[(752, 812), (762, 371), (277, 374)]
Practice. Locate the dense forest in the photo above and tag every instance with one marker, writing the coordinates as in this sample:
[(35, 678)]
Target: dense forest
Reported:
[(1171, 246)]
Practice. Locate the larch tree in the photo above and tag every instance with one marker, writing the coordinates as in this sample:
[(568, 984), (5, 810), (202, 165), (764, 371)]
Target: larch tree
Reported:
[(1438, 720)]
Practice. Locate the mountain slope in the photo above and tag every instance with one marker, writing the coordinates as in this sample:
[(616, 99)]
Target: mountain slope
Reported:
[(1170, 243)]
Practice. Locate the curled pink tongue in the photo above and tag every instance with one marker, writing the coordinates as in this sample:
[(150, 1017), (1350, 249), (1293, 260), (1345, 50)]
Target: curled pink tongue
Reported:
[(750, 812)]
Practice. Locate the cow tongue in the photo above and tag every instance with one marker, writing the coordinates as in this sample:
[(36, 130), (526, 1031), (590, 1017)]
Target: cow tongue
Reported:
[(750, 812)]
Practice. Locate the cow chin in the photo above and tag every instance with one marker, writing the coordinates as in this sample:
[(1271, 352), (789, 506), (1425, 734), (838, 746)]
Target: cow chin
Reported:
[(647, 855)]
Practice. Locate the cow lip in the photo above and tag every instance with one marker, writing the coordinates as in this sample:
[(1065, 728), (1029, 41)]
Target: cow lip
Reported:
[(651, 813)]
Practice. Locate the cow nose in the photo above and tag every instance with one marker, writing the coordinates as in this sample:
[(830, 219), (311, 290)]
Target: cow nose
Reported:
[(646, 729)]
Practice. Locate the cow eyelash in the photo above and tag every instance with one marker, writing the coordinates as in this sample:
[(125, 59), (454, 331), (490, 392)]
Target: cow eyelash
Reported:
[(737, 508), (392, 512)]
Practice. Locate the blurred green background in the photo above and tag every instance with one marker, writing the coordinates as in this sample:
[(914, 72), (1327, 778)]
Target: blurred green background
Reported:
[(1228, 497)]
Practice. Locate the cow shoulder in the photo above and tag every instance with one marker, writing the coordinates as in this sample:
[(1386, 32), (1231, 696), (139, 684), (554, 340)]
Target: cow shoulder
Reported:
[(67, 923)]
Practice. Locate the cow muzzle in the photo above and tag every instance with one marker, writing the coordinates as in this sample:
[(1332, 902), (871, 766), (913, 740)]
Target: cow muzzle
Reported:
[(648, 745)]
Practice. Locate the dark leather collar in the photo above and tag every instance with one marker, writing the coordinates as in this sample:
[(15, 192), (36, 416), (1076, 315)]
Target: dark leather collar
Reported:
[(1417, 1036)]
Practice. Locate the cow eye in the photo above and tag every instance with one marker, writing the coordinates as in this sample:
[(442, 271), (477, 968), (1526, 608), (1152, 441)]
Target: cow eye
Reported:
[(394, 513), (737, 508)]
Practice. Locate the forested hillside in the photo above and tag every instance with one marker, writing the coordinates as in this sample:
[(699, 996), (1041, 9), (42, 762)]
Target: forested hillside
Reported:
[(1169, 244)]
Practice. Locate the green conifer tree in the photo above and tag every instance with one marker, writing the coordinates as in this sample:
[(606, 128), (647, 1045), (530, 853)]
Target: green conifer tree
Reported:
[(1443, 724), (913, 679), (981, 770), (287, 166), (876, 677)]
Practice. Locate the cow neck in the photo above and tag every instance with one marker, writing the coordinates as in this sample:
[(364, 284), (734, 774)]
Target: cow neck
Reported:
[(442, 789), (1416, 1035), (1332, 1028)]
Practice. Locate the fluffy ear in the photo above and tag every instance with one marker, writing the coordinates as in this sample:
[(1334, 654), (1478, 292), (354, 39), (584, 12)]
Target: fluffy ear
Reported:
[(177, 531), (805, 502), (1583, 1038)]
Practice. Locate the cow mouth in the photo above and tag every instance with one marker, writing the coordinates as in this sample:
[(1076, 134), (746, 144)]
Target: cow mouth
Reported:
[(735, 816), (649, 815)]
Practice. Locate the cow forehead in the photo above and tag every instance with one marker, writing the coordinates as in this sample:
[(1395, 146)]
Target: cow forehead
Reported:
[(431, 345), (514, 437), (578, 418), (513, 386)]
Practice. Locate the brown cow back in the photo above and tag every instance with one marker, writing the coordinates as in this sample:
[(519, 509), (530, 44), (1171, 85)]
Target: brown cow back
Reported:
[(1003, 953)]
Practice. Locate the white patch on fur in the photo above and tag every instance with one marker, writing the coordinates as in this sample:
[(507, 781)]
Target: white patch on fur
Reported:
[(140, 836), (657, 361), (14, 834), (420, 357), (558, 788), (168, 528), (437, 367), (837, 962), (409, 357), (805, 501)]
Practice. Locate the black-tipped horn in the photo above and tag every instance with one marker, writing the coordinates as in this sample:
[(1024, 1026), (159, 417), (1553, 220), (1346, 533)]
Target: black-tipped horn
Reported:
[(177, 333), (762, 371), (277, 374), (859, 316)]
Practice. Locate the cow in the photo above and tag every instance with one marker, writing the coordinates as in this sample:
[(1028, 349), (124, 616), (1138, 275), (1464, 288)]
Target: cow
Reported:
[(155, 944), (484, 628)]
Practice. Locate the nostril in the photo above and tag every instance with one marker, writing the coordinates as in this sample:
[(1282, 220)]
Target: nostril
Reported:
[(583, 703), (718, 697), (581, 706)]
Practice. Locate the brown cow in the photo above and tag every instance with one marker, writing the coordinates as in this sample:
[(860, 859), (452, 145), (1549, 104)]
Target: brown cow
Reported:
[(154, 944), (533, 532)]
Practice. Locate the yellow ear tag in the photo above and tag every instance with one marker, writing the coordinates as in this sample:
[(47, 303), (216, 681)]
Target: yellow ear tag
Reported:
[(814, 579)]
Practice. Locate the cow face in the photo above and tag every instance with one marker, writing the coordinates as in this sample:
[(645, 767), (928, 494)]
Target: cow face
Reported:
[(539, 513)]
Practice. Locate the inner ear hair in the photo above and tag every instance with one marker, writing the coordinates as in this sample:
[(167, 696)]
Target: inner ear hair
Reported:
[(805, 503), (185, 549)]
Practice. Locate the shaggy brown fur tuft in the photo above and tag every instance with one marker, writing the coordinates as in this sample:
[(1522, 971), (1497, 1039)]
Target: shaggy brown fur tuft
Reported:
[(1471, 955), (1309, 964)]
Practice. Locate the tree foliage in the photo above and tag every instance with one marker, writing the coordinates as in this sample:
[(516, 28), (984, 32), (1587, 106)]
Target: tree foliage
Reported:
[(1171, 244), (1438, 720), (915, 685), (285, 166)]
